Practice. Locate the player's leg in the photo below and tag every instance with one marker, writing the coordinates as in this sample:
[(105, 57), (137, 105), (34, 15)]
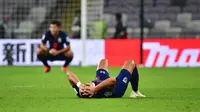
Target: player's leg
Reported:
[(123, 78), (134, 83), (41, 54), (103, 64), (68, 58), (128, 73), (102, 70), (135, 79), (72, 78)]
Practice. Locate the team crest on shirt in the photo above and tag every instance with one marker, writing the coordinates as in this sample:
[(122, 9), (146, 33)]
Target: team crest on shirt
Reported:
[(59, 40)]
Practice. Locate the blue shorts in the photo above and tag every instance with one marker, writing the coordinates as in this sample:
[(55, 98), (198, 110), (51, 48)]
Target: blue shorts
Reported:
[(60, 57), (122, 81), (102, 74)]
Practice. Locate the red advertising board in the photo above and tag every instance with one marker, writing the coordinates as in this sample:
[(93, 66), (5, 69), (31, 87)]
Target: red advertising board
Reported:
[(118, 51), (157, 52)]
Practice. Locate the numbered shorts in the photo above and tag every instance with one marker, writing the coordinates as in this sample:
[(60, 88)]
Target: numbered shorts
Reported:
[(102, 74)]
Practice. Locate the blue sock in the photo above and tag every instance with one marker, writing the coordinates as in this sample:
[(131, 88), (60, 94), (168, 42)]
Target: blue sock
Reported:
[(135, 79), (43, 60)]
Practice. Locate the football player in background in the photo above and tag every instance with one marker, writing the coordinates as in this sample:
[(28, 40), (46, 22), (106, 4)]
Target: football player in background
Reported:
[(59, 47), (106, 87)]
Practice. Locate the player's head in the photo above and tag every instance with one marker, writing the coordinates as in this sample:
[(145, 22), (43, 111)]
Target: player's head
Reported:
[(55, 27), (118, 16), (84, 90)]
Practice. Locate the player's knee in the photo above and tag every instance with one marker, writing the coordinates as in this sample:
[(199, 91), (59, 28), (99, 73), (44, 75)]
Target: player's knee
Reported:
[(103, 64), (104, 61), (129, 65), (39, 51), (69, 53)]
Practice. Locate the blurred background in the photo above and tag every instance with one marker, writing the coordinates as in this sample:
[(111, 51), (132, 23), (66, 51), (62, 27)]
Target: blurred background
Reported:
[(136, 20), (153, 33), (162, 18)]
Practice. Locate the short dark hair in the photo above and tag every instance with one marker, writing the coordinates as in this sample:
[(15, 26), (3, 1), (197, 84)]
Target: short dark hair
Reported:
[(56, 22)]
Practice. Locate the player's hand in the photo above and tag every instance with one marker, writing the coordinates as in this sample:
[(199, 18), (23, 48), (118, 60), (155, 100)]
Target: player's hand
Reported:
[(53, 52), (91, 90)]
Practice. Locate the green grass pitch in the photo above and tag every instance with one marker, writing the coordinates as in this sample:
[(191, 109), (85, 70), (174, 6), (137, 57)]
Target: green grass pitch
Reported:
[(28, 89)]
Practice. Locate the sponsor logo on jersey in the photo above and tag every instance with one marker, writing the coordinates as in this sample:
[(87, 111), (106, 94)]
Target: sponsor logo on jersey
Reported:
[(125, 80)]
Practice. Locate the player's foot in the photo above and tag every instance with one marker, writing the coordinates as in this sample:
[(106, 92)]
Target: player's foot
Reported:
[(64, 69), (133, 94), (140, 94), (136, 94), (47, 69)]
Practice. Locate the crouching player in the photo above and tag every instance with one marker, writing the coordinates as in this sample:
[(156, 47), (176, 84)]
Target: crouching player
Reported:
[(56, 50), (106, 87)]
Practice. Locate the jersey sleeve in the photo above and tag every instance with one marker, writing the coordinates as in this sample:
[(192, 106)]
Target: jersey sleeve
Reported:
[(44, 38), (66, 38)]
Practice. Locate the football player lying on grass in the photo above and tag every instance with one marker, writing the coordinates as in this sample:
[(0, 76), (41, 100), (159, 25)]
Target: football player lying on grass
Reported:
[(106, 87)]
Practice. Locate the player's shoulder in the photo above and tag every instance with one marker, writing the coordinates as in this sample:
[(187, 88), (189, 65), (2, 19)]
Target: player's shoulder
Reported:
[(63, 34), (47, 33)]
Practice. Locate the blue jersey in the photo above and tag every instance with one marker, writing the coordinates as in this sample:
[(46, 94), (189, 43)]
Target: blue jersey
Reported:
[(103, 93), (117, 91), (55, 42), (120, 87), (102, 75)]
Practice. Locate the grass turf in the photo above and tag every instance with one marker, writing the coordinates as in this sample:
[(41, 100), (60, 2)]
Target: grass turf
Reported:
[(28, 89)]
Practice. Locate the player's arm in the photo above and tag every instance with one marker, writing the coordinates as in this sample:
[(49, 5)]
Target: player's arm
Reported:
[(75, 83), (73, 80), (66, 49), (110, 82), (43, 46), (43, 43)]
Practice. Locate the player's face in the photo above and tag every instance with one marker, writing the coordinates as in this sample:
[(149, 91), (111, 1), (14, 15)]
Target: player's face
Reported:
[(54, 29)]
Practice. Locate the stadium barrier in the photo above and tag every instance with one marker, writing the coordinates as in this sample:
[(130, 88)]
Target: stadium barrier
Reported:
[(157, 52), (24, 52)]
